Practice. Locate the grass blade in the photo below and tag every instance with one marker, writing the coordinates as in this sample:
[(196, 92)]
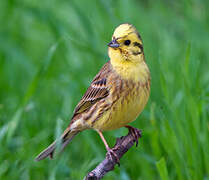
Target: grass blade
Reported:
[(162, 169)]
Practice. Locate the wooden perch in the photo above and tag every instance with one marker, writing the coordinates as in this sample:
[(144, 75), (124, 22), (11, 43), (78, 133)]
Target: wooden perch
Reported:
[(123, 144)]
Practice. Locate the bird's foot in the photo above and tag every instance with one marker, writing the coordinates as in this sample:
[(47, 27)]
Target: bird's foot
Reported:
[(113, 156), (136, 133)]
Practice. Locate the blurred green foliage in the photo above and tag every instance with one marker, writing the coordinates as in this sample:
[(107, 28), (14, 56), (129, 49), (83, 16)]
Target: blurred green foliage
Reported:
[(50, 51)]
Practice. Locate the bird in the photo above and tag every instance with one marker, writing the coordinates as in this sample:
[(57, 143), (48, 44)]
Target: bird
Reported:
[(117, 94)]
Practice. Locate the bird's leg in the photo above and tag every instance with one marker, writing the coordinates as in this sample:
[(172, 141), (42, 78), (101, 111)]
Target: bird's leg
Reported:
[(136, 133), (110, 151)]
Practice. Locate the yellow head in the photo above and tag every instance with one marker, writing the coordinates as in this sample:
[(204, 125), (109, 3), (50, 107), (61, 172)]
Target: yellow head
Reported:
[(126, 45)]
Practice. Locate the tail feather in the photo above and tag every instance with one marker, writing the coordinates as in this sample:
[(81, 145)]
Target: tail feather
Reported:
[(65, 138)]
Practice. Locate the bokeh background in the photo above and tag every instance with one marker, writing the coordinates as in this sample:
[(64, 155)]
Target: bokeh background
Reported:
[(49, 52)]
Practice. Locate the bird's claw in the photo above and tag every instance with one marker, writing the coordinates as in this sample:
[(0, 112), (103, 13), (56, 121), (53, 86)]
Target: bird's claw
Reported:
[(113, 156), (136, 133)]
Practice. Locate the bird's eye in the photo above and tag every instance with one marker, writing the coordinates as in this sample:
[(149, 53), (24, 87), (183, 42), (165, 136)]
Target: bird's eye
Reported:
[(127, 42)]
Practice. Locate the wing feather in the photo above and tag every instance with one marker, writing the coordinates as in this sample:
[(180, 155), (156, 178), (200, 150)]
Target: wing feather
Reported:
[(96, 91)]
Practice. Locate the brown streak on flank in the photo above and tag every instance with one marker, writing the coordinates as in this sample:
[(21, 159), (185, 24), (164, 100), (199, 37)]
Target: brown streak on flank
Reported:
[(133, 87), (114, 94), (146, 87), (108, 119), (122, 101), (122, 92), (138, 85), (127, 88), (120, 87)]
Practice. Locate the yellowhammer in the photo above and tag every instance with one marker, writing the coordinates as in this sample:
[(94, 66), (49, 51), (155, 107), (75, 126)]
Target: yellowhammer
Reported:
[(117, 94)]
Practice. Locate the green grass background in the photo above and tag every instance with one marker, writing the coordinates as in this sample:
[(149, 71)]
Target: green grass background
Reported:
[(49, 52)]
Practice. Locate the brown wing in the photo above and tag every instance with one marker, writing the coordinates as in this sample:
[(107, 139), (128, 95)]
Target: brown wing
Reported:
[(96, 91)]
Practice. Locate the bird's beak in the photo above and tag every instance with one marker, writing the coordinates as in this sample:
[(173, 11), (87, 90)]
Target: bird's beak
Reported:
[(114, 44)]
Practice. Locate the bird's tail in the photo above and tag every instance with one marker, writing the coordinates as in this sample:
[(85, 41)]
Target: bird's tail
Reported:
[(65, 138)]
